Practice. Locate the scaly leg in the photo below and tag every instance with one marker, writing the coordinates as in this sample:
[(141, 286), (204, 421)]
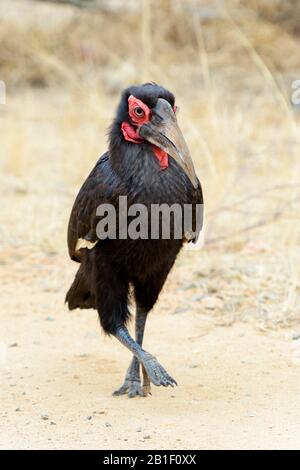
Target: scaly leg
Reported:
[(132, 382), (156, 373)]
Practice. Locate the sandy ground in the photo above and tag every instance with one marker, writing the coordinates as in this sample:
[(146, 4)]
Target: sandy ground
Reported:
[(238, 387), (227, 325)]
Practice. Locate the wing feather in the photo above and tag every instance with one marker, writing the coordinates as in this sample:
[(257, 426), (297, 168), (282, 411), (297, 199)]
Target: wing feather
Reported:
[(98, 188)]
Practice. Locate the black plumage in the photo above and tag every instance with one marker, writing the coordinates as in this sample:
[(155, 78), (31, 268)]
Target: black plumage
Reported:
[(108, 268)]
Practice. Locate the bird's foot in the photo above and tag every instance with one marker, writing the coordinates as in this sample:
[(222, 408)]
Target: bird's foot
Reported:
[(156, 373), (133, 389)]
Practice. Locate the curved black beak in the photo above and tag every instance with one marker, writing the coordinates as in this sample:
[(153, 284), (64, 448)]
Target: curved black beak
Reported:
[(164, 132)]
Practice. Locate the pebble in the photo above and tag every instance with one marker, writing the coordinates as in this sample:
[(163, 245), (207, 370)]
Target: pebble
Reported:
[(44, 416), (181, 310), (18, 409), (211, 303), (147, 437), (13, 345), (88, 418), (108, 425), (197, 298)]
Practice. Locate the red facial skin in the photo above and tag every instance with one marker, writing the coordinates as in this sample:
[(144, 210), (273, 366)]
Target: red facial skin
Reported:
[(133, 104), (140, 114), (130, 134)]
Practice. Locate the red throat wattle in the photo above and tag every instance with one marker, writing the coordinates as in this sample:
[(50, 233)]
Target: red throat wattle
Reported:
[(139, 118)]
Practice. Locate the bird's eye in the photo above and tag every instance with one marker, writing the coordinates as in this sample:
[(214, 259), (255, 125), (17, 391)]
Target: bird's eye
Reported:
[(139, 112)]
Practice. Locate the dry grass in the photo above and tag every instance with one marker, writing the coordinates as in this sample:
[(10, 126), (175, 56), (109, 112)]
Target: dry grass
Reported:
[(230, 69)]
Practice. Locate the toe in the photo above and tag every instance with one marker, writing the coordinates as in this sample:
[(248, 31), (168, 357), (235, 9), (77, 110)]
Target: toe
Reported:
[(157, 374), (136, 390), (122, 390), (132, 393), (136, 393), (132, 389)]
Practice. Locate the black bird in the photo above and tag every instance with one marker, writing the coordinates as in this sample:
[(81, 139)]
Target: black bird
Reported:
[(147, 161)]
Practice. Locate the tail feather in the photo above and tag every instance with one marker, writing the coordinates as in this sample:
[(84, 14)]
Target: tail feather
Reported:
[(79, 295)]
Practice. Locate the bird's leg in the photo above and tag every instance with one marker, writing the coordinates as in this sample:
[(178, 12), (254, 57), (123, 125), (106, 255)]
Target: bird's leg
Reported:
[(140, 322), (139, 334), (156, 373), (146, 382), (132, 383)]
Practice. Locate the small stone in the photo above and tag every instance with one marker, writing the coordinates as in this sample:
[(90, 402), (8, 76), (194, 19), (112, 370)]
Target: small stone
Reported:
[(197, 298), (18, 409), (108, 425), (181, 310), (88, 418), (13, 345), (45, 416), (52, 423), (139, 430), (147, 437)]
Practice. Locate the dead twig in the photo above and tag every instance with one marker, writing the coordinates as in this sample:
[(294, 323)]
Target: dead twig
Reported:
[(248, 198), (279, 213)]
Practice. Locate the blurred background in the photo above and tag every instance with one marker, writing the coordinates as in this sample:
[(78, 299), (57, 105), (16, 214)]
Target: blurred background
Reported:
[(227, 323), (231, 65)]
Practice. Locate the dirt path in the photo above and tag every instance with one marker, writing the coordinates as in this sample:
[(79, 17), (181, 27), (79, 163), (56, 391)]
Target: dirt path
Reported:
[(238, 388)]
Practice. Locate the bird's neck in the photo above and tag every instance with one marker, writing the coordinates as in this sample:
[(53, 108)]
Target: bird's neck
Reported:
[(130, 161)]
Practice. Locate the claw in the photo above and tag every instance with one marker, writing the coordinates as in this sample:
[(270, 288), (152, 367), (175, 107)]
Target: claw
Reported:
[(156, 373), (152, 372), (133, 389), (121, 391)]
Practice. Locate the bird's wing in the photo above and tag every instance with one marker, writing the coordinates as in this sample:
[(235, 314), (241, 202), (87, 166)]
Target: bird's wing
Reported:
[(98, 188), (198, 214)]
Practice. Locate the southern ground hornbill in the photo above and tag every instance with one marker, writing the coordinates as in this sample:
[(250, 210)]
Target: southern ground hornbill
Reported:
[(147, 161)]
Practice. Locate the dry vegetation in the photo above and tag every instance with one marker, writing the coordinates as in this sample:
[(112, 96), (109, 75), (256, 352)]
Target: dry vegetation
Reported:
[(230, 65)]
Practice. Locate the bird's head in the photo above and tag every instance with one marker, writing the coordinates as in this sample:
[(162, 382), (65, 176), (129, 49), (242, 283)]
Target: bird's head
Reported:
[(147, 115)]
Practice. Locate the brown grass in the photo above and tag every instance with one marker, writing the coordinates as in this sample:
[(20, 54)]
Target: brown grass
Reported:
[(230, 69)]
